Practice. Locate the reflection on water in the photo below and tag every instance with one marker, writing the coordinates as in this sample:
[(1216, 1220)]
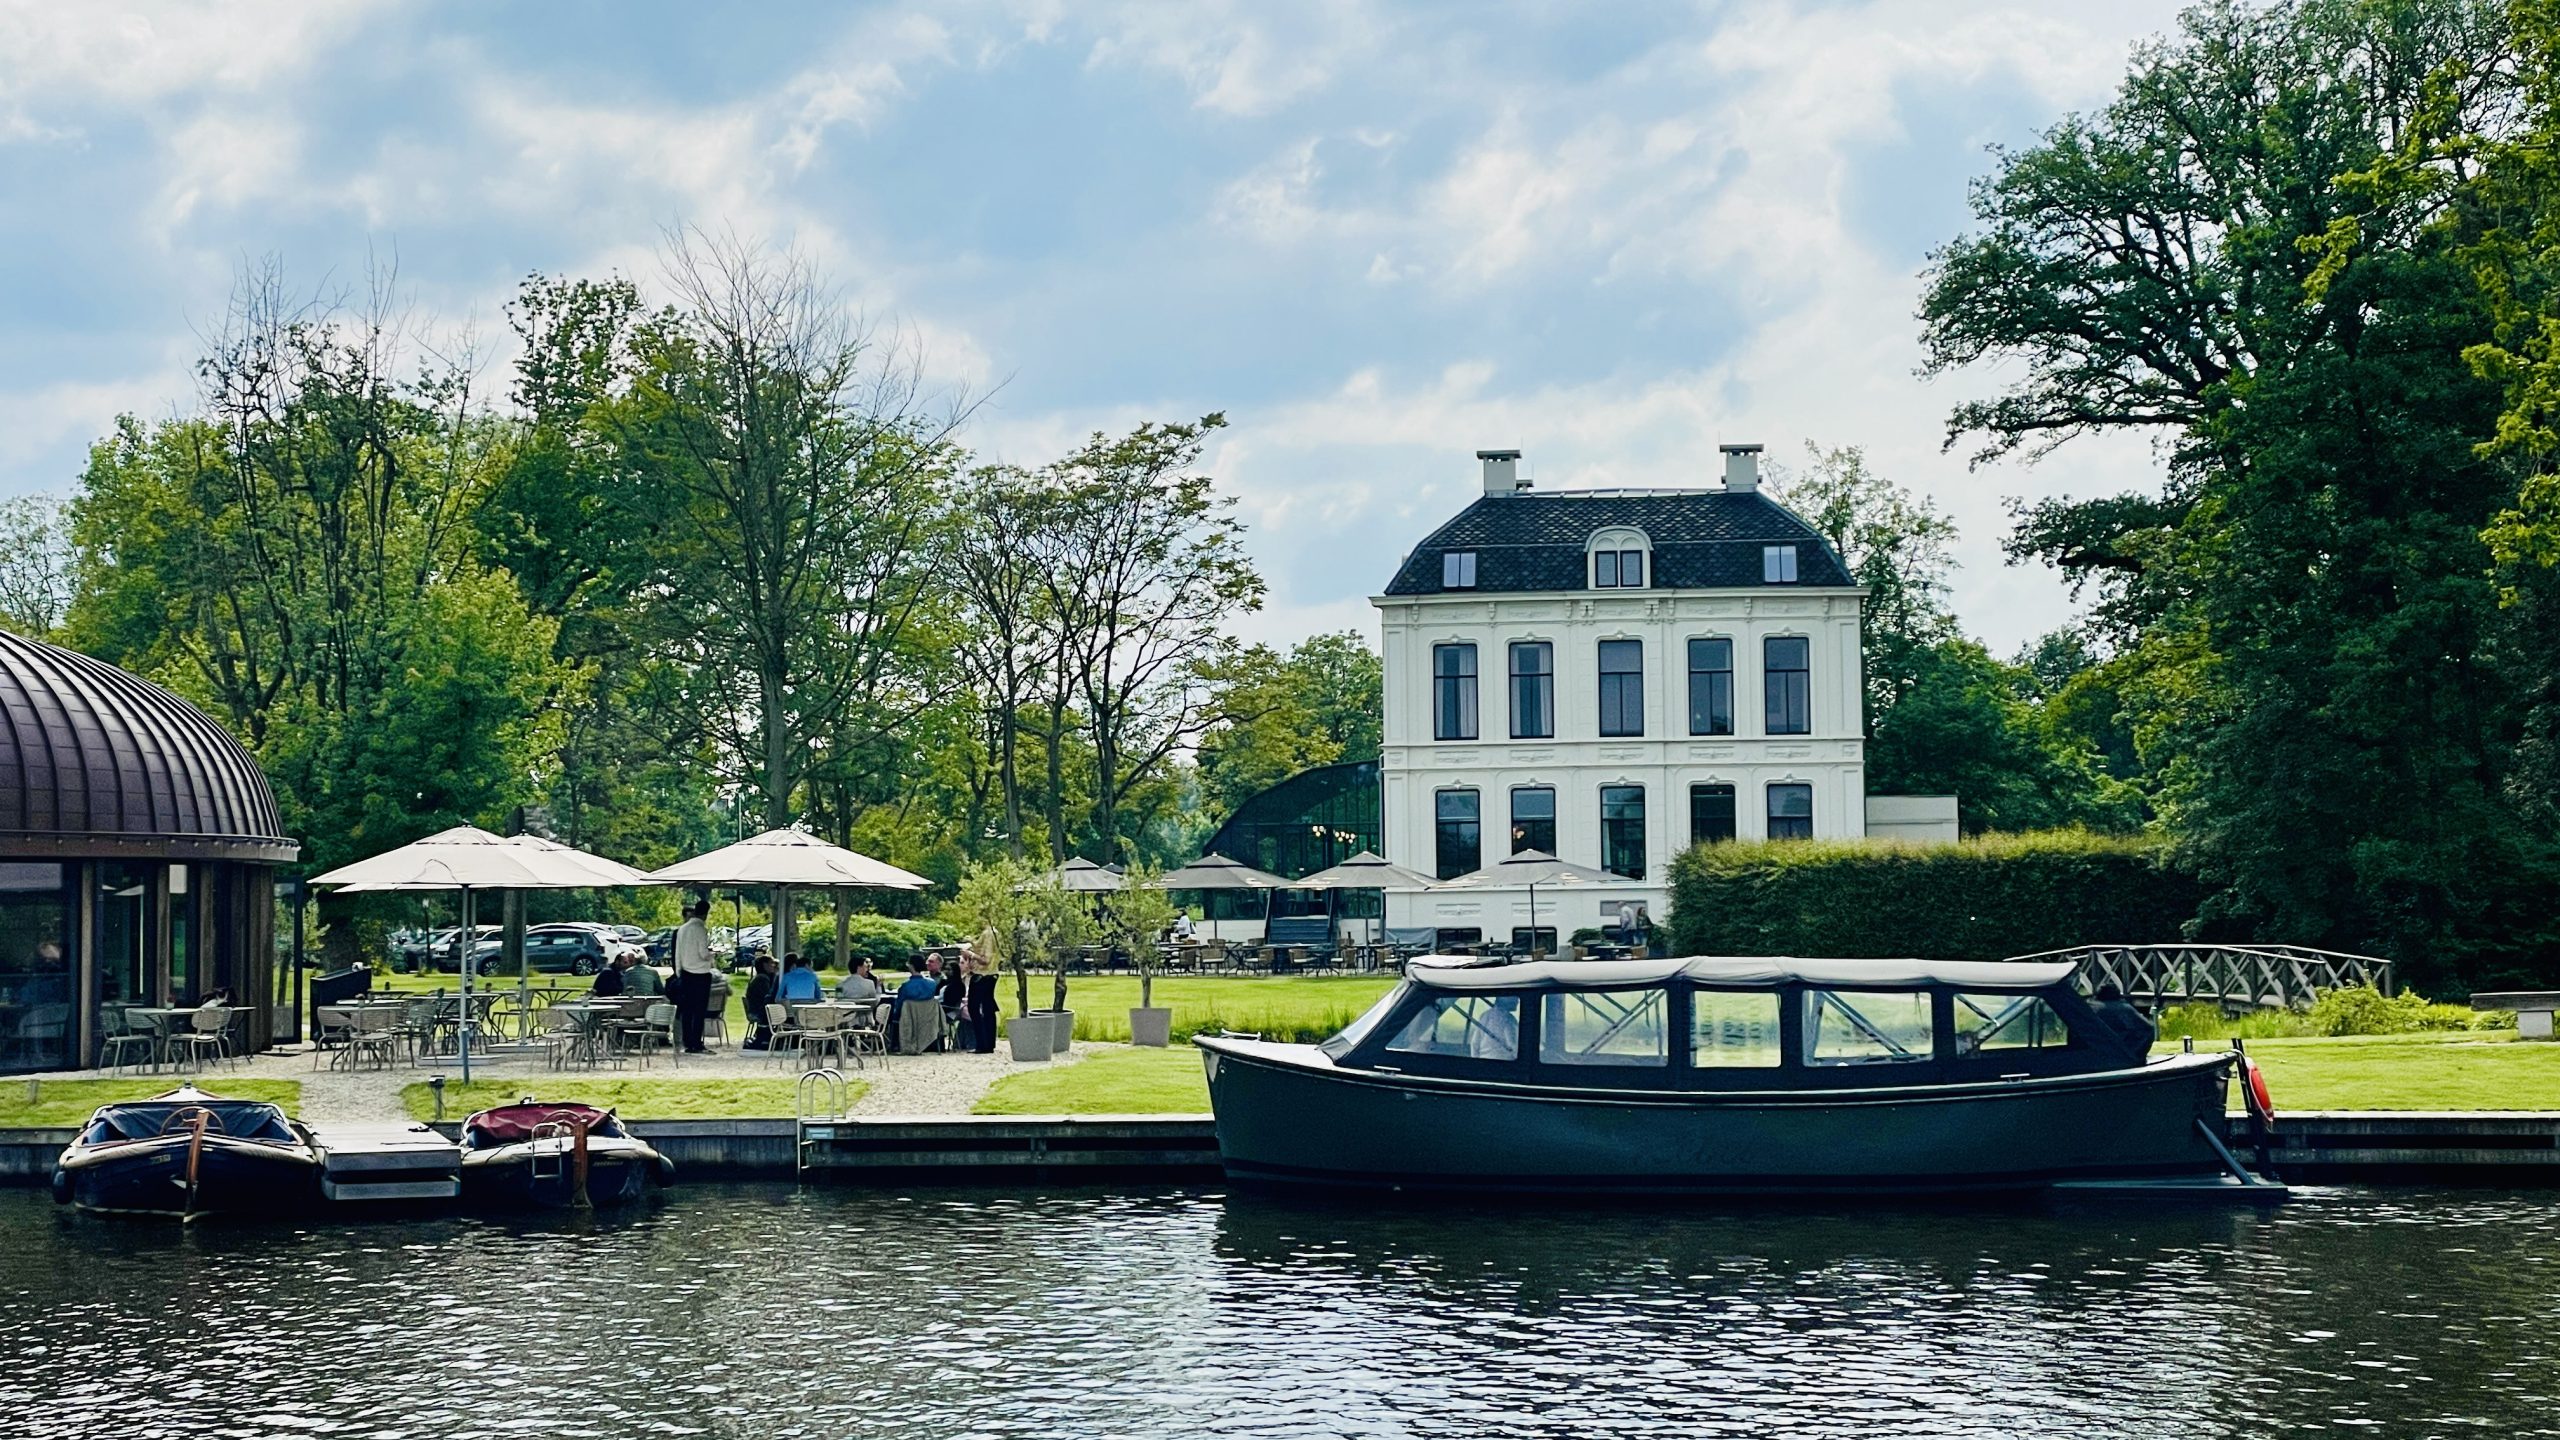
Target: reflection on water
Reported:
[(752, 1310)]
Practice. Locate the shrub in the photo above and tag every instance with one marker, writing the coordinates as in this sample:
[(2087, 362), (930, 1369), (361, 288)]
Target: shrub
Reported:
[(888, 943), (2364, 1010), (1985, 898)]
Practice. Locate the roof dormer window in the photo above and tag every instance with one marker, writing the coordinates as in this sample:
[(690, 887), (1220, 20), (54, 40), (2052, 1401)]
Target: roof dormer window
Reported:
[(1618, 559), (1458, 570), (1778, 564)]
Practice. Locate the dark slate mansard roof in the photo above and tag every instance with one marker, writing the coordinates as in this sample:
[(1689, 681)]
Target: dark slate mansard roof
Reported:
[(95, 761), (1702, 539)]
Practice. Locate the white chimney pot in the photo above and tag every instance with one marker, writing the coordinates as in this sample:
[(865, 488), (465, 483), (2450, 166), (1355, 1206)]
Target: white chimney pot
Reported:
[(1501, 471), (1741, 468)]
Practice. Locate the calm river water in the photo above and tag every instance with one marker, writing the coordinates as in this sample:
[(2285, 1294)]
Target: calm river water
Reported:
[(769, 1311)]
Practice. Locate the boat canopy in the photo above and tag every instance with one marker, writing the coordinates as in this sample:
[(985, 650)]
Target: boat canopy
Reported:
[(147, 1119), (1737, 972), (514, 1124)]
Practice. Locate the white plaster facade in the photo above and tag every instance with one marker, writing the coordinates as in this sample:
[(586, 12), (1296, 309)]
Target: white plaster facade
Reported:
[(1577, 762)]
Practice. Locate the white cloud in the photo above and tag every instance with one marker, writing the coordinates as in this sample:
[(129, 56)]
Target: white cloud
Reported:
[(129, 51)]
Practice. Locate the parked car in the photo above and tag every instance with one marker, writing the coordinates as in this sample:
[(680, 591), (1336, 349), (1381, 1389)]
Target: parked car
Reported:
[(754, 943), (446, 954), (551, 949)]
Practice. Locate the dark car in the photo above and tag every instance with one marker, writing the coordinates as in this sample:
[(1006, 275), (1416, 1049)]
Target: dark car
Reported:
[(576, 949), (446, 955), (661, 945)]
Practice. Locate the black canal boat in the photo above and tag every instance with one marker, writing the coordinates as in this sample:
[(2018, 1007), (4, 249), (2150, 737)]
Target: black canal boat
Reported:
[(1724, 1075), (189, 1153)]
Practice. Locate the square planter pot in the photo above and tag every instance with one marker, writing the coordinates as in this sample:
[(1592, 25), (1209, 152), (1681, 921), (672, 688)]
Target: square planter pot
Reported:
[(1150, 1025), (1062, 1029), (1029, 1036)]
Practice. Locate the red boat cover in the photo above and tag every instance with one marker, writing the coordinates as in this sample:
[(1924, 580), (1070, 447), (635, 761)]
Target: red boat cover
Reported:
[(508, 1124)]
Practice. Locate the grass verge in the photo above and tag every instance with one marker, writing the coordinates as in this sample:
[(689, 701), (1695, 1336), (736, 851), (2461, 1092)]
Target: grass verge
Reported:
[(68, 1102), (2432, 1071), (1111, 1082), (632, 1099)]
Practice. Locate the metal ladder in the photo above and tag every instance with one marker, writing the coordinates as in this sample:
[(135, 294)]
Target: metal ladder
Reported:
[(823, 1086)]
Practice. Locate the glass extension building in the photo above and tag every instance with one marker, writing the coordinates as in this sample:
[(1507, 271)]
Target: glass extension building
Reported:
[(138, 846)]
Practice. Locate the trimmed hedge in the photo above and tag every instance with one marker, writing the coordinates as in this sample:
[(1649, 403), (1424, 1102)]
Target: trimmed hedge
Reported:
[(890, 944), (1985, 898)]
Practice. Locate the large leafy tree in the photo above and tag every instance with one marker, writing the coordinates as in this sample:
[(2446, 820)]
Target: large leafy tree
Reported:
[(1320, 704), (2324, 659)]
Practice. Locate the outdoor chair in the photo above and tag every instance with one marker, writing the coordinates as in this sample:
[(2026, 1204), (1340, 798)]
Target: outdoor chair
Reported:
[(416, 1031), (123, 1045), (206, 1039), (39, 1034), (331, 1028), (373, 1037), (822, 1037), (562, 1038), (864, 1035), (785, 1031), (715, 1020), (654, 1030), (922, 1025)]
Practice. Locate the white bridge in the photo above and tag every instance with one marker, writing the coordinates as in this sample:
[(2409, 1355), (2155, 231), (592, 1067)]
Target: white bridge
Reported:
[(2257, 976)]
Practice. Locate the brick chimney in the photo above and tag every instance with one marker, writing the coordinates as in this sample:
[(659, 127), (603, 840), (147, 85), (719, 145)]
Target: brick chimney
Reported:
[(1741, 469), (1501, 471)]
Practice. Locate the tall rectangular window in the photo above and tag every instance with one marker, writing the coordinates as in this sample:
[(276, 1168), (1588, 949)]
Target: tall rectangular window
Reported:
[(1622, 830), (1778, 564), (1533, 819), (1787, 668), (1533, 690), (1622, 687), (1710, 813), (1790, 812), (1453, 692), (1459, 818), (1458, 570), (1710, 687)]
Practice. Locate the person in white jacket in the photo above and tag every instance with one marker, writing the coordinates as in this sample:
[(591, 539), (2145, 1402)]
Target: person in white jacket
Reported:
[(692, 984)]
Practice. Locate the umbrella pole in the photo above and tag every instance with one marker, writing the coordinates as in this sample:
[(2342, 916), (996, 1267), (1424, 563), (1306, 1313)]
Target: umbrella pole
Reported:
[(469, 961)]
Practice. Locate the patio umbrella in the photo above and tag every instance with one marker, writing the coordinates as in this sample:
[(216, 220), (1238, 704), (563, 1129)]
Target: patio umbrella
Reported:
[(467, 858), (1217, 872), (785, 858), (1367, 870), (1532, 868), (1080, 876)]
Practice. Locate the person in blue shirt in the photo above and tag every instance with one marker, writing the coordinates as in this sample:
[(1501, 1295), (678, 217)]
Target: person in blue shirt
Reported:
[(920, 984), (799, 982)]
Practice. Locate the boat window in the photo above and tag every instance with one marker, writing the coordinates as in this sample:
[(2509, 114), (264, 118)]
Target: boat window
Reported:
[(1606, 1027), (1866, 1027), (1358, 1030), (1733, 1030), (2007, 1022), (1475, 1027)]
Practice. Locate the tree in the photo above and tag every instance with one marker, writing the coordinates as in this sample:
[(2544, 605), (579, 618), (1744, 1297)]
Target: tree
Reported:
[(1134, 918), (1020, 916), (1321, 704), (1003, 642), (1895, 544), (2312, 627), (1142, 570), (35, 565)]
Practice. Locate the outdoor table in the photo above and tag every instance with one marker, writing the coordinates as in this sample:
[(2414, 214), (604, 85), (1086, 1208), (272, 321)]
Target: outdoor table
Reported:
[(592, 1017), (167, 1020)]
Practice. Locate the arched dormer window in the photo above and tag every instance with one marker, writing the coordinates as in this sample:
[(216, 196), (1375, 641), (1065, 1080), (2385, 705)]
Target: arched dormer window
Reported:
[(1620, 559)]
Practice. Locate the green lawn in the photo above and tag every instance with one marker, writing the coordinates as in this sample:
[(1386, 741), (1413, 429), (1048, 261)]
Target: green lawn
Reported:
[(2485, 1070), (667, 1099), (1109, 1082), (68, 1102)]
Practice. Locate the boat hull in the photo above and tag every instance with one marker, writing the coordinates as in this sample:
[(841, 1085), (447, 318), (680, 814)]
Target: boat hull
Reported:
[(619, 1172), (148, 1177), (1286, 1115)]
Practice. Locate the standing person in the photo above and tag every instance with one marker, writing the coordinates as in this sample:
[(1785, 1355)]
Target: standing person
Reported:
[(692, 985), (980, 1008)]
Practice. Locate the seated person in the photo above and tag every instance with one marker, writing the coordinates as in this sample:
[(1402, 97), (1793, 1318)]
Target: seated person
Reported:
[(639, 979), (799, 982), (923, 982), (860, 985), (609, 983), (1182, 933), (760, 993), (217, 998)]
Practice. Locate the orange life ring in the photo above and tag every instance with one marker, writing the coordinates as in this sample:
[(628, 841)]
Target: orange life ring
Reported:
[(2259, 1100)]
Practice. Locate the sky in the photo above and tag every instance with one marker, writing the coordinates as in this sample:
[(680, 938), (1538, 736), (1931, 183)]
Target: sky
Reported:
[(1377, 236)]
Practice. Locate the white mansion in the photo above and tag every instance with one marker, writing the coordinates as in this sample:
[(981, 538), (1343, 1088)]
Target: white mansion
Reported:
[(1609, 676)]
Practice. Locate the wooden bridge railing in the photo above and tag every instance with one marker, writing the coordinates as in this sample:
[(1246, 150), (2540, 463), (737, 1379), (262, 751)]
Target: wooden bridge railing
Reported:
[(2271, 976)]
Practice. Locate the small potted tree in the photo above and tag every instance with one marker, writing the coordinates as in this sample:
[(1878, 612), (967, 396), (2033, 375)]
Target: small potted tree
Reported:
[(1055, 921), (1134, 917), (995, 900)]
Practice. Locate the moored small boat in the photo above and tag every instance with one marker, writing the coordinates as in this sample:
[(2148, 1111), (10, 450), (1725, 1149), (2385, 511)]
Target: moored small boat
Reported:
[(187, 1153), (544, 1154), (1723, 1075)]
